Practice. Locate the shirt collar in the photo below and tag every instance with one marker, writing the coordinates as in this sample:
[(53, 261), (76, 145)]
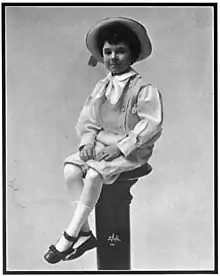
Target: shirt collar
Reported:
[(112, 86), (123, 77)]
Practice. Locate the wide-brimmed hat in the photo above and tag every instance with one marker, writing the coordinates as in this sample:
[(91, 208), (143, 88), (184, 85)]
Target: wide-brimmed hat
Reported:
[(136, 27)]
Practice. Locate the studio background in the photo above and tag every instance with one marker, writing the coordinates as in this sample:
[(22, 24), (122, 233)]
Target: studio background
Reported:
[(47, 82)]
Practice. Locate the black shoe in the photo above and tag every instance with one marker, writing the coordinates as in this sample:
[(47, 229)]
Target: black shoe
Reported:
[(54, 256), (89, 244)]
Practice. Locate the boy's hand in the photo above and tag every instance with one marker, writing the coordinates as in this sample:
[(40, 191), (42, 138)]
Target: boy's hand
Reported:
[(108, 153), (87, 152)]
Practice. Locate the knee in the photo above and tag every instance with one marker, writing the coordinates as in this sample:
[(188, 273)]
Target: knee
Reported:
[(72, 173), (93, 176)]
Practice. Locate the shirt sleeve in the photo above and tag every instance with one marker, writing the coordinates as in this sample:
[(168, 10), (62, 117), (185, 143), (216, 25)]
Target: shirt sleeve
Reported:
[(149, 109), (87, 126)]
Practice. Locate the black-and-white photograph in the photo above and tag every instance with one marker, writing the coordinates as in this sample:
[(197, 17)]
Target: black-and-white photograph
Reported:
[(109, 138)]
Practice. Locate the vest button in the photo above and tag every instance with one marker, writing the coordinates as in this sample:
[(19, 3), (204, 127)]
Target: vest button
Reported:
[(122, 109)]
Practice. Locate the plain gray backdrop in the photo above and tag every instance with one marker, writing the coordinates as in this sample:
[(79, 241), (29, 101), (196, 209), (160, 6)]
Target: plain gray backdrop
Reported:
[(47, 82)]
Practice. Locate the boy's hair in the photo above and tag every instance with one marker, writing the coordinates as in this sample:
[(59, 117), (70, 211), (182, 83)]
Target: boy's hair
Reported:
[(119, 33)]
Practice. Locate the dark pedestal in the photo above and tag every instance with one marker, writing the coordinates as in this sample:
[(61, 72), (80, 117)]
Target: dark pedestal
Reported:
[(113, 222), (113, 226)]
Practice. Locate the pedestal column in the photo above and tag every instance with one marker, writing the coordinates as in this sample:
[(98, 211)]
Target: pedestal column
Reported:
[(113, 226)]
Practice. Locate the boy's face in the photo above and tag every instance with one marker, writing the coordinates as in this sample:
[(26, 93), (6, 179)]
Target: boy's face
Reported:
[(116, 57)]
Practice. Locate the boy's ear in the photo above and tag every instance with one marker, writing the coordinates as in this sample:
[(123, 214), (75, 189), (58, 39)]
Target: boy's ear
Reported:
[(92, 61)]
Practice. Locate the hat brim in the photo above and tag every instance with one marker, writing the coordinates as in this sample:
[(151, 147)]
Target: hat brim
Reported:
[(136, 27)]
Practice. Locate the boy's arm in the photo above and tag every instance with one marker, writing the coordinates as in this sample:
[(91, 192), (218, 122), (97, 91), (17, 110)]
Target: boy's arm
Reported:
[(108, 138)]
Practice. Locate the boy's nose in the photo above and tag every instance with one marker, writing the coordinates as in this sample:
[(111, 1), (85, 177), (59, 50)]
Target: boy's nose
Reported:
[(113, 55)]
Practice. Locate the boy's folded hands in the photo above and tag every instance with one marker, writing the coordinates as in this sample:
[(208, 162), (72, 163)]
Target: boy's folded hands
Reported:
[(108, 153), (87, 152)]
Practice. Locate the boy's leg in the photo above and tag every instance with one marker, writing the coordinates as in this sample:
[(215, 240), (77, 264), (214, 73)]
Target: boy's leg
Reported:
[(89, 196), (74, 182), (88, 199)]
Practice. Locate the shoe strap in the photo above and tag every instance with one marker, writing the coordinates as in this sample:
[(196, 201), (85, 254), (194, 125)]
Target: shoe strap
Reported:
[(85, 234), (68, 237)]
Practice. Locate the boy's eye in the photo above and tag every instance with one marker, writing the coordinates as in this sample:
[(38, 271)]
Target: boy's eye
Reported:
[(121, 51), (107, 52)]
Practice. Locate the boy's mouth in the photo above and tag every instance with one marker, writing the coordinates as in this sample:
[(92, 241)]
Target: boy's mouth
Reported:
[(114, 64)]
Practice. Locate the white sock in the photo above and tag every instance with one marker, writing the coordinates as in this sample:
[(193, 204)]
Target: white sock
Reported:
[(81, 214)]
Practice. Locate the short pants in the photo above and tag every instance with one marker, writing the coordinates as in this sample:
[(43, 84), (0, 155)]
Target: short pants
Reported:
[(109, 170)]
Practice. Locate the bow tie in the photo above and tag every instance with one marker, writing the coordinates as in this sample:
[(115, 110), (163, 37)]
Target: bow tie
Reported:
[(113, 86)]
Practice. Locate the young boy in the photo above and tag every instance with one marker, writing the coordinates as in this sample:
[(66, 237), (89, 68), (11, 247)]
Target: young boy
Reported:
[(118, 127)]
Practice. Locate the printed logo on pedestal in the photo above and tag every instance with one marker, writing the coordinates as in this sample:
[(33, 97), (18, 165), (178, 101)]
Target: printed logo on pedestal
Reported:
[(113, 239)]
